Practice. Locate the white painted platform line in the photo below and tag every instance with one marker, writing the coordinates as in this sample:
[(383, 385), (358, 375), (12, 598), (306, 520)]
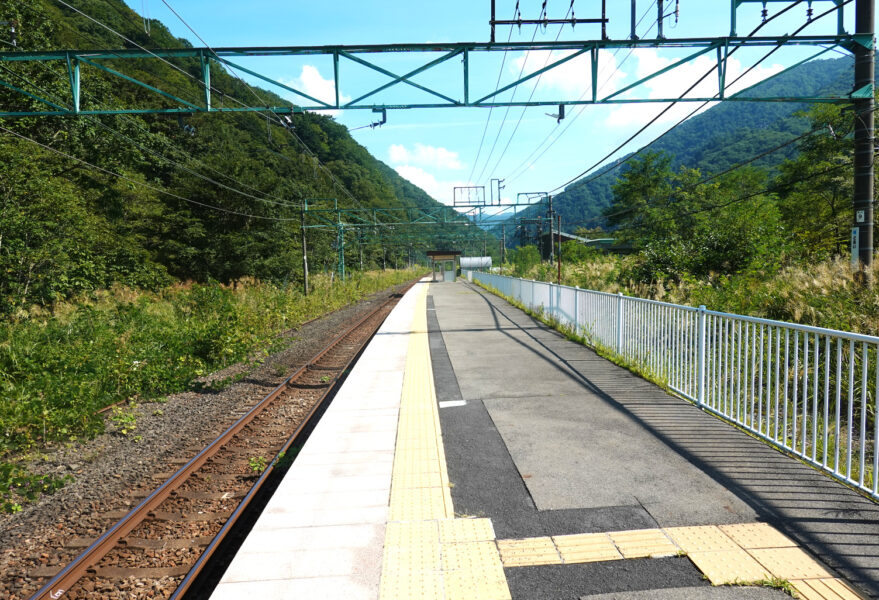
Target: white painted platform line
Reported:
[(452, 403), (322, 533)]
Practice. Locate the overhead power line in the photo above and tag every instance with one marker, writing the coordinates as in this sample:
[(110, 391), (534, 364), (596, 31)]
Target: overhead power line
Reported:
[(158, 155), (519, 171), (709, 72), (141, 183), (271, 116), (491, 108)]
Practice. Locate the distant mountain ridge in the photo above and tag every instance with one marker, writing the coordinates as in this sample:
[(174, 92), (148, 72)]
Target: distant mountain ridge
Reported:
[(718, 138)]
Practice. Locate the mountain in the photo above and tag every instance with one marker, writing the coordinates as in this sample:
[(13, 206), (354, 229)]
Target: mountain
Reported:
[(147, 200), (718, 138)]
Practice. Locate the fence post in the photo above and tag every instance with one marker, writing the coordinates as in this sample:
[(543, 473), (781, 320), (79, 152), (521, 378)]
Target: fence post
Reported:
[(577, 309), (620, 323), (700, 384)]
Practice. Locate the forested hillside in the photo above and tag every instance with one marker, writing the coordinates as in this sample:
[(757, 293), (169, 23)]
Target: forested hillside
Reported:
[(202, 197), (720, 137)]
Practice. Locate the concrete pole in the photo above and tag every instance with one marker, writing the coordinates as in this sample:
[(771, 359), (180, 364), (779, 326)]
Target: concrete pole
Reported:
[(862, 231), (560, 249), (304, 255), (551, 231), (503, 247)]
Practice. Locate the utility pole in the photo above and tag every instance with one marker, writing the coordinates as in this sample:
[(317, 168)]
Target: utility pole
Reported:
[(560, 249), (503, 247), (865, 58), (551, 228), (304, 254), (484, 249)]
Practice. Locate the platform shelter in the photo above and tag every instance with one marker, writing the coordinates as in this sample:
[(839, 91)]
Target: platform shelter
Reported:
[(444, 264)]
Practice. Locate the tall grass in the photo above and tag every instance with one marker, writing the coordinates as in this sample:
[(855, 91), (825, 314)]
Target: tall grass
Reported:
[(58, 368), (822, 294)]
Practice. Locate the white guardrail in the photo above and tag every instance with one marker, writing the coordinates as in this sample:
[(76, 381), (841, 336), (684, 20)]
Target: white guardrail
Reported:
[(807, 390)]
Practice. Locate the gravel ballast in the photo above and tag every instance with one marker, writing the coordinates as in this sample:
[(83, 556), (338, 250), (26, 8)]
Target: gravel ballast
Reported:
[(107, 469)]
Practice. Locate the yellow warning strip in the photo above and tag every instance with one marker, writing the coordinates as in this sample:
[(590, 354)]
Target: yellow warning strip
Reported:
[(428, 553), (741, 554)]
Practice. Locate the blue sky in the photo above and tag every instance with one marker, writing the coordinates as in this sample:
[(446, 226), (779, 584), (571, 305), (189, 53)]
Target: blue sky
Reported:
[(438, 149)]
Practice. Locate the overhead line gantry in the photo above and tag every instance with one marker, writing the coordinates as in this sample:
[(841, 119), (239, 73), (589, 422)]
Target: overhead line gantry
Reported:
[(860, 44)]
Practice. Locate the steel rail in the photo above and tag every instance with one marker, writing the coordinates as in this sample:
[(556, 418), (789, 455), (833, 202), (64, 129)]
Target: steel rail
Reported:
[(58, 585)]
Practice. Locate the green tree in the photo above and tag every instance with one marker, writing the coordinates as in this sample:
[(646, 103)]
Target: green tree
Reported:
[(816, 187)]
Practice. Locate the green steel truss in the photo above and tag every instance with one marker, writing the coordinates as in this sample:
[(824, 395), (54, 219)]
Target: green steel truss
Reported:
[(77, 61)]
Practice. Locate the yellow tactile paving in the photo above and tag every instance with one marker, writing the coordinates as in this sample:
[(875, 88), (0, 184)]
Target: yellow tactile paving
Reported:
[(756, 535), (469, 584), (824, 589), (642, 543), (417, 504), (426, 585), (789, 563), (478, 556), (529, 552), (701, 539), (729, 566), (412, 533), (415, 557), (466, 530), (428, 553), (586, 547)]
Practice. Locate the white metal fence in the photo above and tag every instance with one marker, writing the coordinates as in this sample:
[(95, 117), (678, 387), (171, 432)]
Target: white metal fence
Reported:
[(808, 390)]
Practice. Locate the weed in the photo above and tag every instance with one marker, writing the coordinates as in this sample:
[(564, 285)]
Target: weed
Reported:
[(280, 370), (325, 379), (124, 420), (158, 412), (18, 487), (257, 464)]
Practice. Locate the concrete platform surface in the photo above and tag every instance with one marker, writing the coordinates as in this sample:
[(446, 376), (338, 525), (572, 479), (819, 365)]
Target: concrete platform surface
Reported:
[(475, 454), (549, 439)]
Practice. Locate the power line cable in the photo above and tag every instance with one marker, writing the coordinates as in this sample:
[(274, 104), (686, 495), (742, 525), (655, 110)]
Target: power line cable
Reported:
[(507, 111), (149, 150), (141, 183), (491, 108), (533, 90), (518, 171), (202, 84), (674, 103)]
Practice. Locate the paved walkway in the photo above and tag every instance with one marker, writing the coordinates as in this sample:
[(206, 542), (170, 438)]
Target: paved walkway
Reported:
[(475, 454), (550, 442)]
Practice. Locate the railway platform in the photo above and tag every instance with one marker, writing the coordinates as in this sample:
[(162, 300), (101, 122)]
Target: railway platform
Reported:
[(475, 453)]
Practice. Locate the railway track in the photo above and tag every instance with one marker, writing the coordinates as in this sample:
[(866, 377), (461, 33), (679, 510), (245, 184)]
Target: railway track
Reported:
[(159, 548)]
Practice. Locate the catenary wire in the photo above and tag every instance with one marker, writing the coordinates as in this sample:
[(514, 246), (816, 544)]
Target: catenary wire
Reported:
[(141, 183), (672, 104)]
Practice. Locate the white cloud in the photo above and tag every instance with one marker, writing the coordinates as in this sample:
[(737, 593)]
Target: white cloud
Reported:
[(572, 78), (425, 156), (439, 190), (311, 82), (673, 83)]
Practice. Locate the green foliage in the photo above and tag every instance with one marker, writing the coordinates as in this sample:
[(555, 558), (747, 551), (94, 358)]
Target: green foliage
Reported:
[(257, 464), (524, 258), (124, 420), (726, 134), (686, 228), (57, 370), (68, 229), (577, 252), (18, 486)]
